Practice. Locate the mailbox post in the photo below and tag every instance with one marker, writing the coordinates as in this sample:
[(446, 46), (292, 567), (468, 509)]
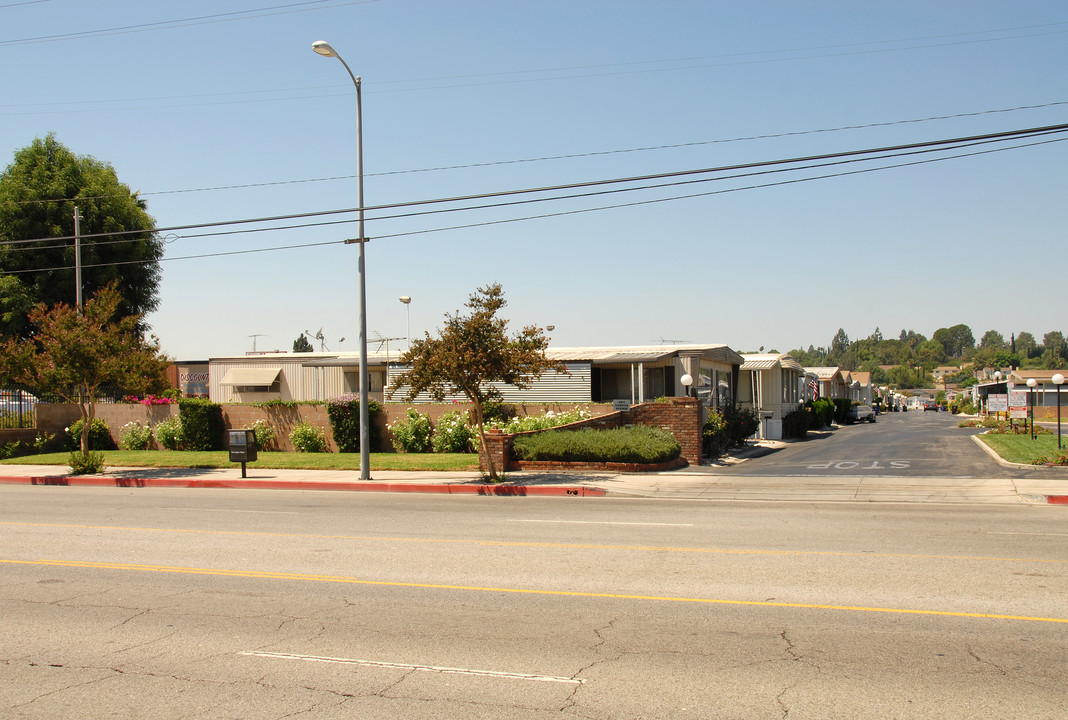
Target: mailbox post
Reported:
[(242, 447)]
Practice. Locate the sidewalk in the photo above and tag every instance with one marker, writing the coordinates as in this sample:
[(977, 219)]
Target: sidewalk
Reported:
[(691, 483)]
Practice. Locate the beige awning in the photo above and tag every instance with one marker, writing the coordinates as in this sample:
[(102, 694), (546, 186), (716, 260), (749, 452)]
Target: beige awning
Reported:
[(251, 377)]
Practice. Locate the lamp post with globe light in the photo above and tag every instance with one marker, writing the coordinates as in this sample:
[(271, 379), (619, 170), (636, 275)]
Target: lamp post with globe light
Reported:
[(1058, 380), (323, 48), (1031, 383)]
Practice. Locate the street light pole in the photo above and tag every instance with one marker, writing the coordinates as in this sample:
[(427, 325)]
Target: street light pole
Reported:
[(323, 48), (1058, 380), (1031, 383)]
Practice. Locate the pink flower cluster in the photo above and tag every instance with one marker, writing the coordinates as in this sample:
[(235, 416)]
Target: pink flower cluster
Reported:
[(148, 400)]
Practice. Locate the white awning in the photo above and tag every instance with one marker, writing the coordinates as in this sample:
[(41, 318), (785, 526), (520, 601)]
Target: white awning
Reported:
[(251, 377)]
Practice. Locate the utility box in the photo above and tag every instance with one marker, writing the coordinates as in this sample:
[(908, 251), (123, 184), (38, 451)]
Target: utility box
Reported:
[(242, 446)]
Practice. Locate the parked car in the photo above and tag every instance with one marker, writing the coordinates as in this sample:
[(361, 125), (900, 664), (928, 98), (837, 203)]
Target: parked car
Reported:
[(16, 402), (930, 405), (857, 413)]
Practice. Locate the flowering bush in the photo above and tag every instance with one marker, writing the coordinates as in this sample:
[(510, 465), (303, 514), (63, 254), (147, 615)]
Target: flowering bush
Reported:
[(169, 433), (135, 436), (454, 433), (308, 438), (264, 434), (1056, 458), (411, 434), (148, 400), (540, 422)]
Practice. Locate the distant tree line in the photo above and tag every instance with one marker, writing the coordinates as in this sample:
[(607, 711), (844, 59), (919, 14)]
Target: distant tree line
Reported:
[(907, 361)]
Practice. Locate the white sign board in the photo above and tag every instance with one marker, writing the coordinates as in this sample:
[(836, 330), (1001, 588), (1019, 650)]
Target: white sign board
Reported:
[(997, 403), (621, 405), (1018, 404)]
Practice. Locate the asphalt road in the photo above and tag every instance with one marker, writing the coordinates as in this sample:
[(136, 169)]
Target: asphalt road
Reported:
[(237, 604), (910, 444)]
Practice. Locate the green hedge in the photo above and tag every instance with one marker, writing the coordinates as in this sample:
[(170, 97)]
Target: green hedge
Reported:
[(796, 424), (344, 414), (822, 413), (841, 410), (99, 435), (638, 444), (202, 424)]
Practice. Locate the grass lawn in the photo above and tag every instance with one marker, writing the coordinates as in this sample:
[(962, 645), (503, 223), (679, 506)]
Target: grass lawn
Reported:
[(1021, 448), (283, 460)]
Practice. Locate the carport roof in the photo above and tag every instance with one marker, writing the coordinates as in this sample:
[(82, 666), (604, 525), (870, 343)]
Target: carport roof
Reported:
[(770, 361)]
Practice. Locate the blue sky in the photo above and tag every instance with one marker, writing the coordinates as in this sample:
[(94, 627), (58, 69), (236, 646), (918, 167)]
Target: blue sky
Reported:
[(221, 111)]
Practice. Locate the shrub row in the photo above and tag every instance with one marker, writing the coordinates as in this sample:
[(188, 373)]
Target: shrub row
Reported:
[(637, 444), (727, 428)]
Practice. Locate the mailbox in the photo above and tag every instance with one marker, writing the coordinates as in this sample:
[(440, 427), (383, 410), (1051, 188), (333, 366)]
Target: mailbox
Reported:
[(242, 446)]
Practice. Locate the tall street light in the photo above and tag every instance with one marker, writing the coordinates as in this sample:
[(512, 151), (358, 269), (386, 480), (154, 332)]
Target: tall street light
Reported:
[(1058, 380), (1031, 383), (323, 48), (407, 300)]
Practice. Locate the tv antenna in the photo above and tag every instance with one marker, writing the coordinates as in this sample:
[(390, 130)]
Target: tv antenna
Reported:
[(321, 338), (382, 340), (254, 336)]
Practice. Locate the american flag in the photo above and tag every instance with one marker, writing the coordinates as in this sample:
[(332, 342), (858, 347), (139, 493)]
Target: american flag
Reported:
[(814, 387)]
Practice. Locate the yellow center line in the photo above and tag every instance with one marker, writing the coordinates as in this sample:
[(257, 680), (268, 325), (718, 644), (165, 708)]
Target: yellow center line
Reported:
[(547, 545), (269, 575)]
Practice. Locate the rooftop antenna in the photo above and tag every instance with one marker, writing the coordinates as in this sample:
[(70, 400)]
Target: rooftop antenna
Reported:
[(382, 340), (254, 336)]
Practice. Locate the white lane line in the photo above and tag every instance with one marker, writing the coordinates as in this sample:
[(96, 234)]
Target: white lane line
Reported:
[(995, 532), (224, 510), (421, 668), (600, 522)]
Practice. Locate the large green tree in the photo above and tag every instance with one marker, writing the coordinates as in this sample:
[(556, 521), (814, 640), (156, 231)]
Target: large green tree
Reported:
[(1026, 344), (38, 193), (73, 353), (471, 353), (957, 341), (1055, 350), (992, 340)]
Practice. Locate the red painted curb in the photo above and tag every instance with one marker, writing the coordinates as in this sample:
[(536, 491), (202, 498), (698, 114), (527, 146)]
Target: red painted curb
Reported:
[(252, 483), (1057, 499)]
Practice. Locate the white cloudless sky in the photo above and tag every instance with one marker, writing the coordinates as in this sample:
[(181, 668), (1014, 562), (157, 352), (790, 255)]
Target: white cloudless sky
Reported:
[(220, 111)]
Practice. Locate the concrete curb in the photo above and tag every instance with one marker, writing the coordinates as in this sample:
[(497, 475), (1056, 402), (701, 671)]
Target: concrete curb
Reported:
[(503, 489)]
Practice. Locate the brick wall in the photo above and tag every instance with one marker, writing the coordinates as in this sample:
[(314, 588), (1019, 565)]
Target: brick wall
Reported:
[(282, 419), (679, 416)]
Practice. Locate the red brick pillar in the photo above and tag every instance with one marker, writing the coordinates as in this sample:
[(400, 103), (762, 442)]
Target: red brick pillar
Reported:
[(688, 428), (499, 446)]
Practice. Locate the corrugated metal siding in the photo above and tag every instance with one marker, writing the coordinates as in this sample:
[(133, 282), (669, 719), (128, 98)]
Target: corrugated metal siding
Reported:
[(551, 387)]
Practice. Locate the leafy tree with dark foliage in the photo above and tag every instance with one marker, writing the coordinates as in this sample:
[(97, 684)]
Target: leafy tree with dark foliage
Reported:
[(38, 194)]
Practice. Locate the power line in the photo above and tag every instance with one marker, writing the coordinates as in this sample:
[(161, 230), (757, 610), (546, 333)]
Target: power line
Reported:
[(944, 143), (585, 210), (569, 156), (565, 212), (285, 9)]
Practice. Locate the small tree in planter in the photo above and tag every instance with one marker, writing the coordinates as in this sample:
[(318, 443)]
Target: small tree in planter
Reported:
[(74, 352), (470, 353)]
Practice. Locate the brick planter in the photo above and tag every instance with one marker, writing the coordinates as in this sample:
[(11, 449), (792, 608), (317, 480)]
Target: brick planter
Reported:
[(679, 416)]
